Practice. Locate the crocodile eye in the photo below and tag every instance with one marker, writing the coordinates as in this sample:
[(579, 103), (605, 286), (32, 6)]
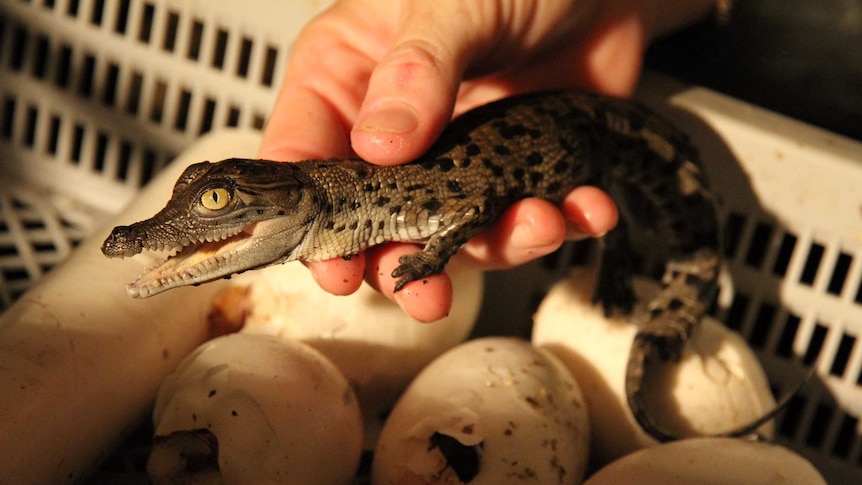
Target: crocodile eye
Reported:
[(215, 199)]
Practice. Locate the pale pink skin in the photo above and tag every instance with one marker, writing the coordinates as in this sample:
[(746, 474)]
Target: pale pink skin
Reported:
[(380, 79)]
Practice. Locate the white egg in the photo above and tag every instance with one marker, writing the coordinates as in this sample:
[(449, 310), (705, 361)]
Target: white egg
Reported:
[(717, 386), (256, 409), (490, 411), (375, 344), (715, 461)]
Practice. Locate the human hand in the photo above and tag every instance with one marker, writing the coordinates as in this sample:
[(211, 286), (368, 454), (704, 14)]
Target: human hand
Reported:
[(381, 78)]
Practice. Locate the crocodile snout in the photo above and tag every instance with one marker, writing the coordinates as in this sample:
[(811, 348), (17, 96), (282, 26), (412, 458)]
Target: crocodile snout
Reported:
[(122, 243)]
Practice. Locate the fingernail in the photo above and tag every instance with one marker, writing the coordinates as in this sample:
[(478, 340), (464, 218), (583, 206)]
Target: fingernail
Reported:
[(392, 118), (583, 228)]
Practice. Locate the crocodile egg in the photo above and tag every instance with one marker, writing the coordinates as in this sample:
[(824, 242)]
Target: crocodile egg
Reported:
[(256, 409), (717, 386), (377, 346), (490, 411), (718, 461)]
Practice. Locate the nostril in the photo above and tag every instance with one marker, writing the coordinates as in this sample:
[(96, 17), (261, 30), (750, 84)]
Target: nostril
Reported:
[(119, 244)]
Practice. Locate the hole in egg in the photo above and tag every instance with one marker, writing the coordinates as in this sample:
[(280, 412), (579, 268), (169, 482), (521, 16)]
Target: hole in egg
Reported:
[(464, 460)]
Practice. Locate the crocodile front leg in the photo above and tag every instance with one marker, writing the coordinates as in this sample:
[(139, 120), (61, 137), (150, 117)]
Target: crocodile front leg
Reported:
[(441, 247)]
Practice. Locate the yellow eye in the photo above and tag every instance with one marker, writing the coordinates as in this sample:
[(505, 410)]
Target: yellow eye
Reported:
[(215, 199)]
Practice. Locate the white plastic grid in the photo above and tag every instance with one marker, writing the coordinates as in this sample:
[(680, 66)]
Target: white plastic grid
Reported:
[(97, 95)]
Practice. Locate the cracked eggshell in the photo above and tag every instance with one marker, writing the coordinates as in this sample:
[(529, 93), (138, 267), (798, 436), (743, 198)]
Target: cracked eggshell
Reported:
[(490, 411), (718, 385), (377, 346), (269, 409), (717, 461)]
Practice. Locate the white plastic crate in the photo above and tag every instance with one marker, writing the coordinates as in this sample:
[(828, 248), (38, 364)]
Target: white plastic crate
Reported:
[(97, 95)]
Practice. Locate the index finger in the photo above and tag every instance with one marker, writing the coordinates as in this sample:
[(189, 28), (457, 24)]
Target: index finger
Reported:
[(302, 126)]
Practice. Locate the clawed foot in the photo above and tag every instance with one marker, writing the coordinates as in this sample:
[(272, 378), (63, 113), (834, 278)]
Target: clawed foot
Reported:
[(415, 266)]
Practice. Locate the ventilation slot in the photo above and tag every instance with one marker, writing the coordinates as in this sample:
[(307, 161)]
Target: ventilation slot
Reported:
[(788, 424), (812, 264), (763, 323), (72, 8), (181, 117), (30, 126), (195, 39), (18, 48), (41, 55), (846, 435), (87, 76), (169, 41), (219, 49), (782, 258), (757, 249), (815, 345), (63, 72), (788, 336), (268, 74), (109, 92), (157, 102), (733, 227), (244, 57), (817, 430), (77, 143), (7, 122), (207, 116), (97, 12), (53, 135), (842, 355), (839, 274), (133, 93), (121, 21), (145, 28)]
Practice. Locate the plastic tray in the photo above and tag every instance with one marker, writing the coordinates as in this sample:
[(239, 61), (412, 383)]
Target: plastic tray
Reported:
[(97, 95)]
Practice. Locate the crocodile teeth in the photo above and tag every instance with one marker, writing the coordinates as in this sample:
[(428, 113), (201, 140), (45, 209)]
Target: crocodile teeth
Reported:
[(209, 257)]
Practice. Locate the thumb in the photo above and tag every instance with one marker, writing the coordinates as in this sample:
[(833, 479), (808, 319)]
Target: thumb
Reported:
[(412, 90)]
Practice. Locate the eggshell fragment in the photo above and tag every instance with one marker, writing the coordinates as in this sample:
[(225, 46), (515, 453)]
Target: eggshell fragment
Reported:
[(256, 409), (490, 411), (715, 461), (377, 346), (717, 386)]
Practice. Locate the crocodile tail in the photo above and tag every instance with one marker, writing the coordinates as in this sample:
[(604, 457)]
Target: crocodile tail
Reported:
[(641, 349), (674, 315)]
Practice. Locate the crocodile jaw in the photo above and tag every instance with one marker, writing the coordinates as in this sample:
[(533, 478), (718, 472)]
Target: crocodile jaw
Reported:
[(199, 263)]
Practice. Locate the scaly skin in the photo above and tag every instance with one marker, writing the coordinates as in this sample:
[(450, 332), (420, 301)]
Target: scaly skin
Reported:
[(535, 145)]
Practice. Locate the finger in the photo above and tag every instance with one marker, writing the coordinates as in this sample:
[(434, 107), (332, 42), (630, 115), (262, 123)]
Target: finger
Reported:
[(339, 276), (608, 53), (412, 91), (324, 83), (590, 211), (426, 300), (295, 130), (529, 229), (533, 228)]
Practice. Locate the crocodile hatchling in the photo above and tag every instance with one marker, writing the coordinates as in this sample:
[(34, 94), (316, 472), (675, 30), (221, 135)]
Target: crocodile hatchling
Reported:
[(239, 214)]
